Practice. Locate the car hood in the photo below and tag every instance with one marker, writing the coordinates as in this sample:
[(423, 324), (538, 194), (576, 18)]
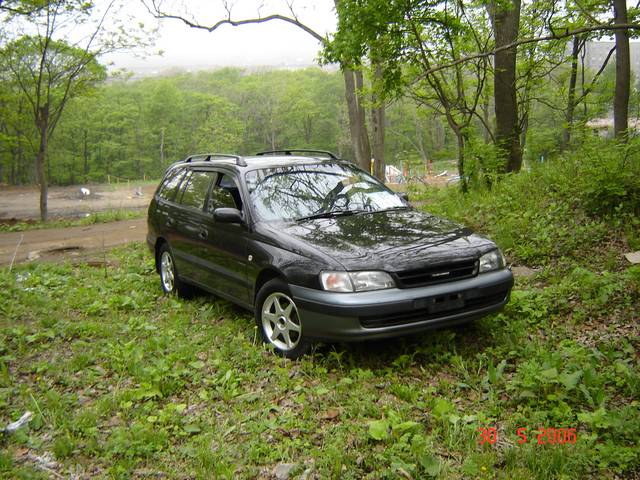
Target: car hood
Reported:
[(390, 241)]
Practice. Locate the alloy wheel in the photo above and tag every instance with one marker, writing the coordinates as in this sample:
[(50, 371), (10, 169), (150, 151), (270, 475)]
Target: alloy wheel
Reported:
[(280, 321), (167, 272)]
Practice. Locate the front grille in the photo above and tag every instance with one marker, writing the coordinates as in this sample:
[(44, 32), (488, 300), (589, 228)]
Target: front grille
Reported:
[(437, 274), (441, 306)]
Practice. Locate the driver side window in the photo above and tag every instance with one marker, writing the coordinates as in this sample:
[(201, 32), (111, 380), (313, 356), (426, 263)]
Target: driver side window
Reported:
[(224, 194)]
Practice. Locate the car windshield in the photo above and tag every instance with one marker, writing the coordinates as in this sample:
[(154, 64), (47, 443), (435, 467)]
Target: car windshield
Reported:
[(299, 192)]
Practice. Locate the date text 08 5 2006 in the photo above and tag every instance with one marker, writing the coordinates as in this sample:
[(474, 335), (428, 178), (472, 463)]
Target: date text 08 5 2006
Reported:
[(541, 436)]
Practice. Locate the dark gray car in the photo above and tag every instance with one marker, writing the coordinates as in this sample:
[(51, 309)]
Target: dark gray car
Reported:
[(318, 249)]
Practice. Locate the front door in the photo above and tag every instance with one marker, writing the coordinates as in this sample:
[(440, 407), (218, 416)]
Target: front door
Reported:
[(226, 244)]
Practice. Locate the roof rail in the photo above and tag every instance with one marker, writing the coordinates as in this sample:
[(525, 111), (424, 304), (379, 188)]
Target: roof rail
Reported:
[(289, 151), (212, 156)]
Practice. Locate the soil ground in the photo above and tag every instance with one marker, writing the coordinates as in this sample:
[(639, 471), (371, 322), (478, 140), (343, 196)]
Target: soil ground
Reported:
[(85, 243), (22, 203)]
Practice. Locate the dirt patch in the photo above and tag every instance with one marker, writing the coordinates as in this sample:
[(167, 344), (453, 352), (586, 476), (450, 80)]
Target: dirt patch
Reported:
[(76, 243), (22, 203)]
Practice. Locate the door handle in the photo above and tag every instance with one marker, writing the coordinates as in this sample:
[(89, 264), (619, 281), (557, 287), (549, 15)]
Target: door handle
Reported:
[(203, 234)]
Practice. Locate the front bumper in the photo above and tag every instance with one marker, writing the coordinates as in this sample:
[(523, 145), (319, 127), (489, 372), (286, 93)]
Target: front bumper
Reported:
[(394, 312)]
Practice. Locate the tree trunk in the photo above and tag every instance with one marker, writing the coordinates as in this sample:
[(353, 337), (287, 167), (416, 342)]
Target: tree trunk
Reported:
[(505, 18), (365, 145), (623, 73), (377, 125), (460, 137), (356, 124), (42, 125), (485, 116), (85, 155), (461, 144), (419, 128), (72, 170), (571, 97), (524, 130)]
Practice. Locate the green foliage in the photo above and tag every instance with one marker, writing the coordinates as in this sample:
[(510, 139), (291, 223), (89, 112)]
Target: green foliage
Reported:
[(134, 129), (557, 210), (124, 379)]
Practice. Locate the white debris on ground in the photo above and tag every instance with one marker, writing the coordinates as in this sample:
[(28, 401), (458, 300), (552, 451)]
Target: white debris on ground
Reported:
[(283, 470), (84, 192), (12, 427), (633, 257)]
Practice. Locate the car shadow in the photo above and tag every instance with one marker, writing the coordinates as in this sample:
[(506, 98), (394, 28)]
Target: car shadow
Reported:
[(431, 346), (435, 346)]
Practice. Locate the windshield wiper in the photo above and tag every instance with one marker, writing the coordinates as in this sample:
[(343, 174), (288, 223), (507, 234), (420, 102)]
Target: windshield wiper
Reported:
[(329, 214), (392, 209)]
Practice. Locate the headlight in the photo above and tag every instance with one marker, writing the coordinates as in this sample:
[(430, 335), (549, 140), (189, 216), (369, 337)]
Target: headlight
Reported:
[(491, 261), (355, 281), (336, 281)]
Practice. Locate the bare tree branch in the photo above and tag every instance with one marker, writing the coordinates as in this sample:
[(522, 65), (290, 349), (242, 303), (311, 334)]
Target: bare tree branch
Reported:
[(592, 84), (154, 7), (525, 41)]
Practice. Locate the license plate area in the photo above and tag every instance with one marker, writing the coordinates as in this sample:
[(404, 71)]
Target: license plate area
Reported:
[(441, 303)]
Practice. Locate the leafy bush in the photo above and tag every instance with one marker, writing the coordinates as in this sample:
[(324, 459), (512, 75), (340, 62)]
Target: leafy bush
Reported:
[(557, 209)]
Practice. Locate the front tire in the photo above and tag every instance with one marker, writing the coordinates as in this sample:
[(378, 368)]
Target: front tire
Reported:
[(278, 320)]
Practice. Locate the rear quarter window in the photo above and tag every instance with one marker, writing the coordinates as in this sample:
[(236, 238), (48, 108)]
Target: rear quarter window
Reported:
[(171, 184), (195, 191)]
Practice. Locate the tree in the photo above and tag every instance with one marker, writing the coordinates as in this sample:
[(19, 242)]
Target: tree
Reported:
[(405, 40), (352, 78), (48, 73), (623, 72), (505, 19)]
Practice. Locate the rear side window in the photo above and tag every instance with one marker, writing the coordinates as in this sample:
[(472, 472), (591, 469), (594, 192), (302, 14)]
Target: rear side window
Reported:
[(171, 184), (195, 191)]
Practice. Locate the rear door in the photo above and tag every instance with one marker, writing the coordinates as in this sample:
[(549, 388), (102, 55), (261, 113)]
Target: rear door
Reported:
[(162, 215), (190, 224)]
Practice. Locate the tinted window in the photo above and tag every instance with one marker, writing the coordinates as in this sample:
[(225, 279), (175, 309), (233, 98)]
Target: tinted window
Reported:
[(291, 192), (171, 184), (224, 195), (195, 191)]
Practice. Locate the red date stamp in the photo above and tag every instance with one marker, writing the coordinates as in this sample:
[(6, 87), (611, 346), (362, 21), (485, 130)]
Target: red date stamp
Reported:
[(541, 436)]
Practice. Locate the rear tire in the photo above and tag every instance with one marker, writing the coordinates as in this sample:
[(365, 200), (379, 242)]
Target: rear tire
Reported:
[(169, 278), (278, 320)]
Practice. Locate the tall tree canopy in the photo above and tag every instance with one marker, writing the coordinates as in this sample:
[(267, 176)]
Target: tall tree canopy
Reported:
[(52, 62)]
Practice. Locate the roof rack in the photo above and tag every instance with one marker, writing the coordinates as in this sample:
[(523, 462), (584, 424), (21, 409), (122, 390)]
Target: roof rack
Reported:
[(212, 156), (290, 151)]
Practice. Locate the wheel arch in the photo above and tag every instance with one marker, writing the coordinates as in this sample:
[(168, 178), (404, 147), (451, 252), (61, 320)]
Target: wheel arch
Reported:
[(156, 249), (263, 277)]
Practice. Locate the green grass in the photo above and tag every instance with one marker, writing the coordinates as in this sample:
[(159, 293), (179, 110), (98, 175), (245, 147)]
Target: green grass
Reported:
[(125, 382), (91, 218)]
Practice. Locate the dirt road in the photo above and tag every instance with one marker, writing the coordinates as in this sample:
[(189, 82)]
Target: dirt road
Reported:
[(72, 242)]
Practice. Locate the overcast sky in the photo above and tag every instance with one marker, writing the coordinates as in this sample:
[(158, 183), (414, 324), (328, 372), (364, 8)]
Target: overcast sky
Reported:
[(271, 43)]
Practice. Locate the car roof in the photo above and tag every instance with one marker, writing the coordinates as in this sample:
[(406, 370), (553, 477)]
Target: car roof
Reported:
[(253, 162)]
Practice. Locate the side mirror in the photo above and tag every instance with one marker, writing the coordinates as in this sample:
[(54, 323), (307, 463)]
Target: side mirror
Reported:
[(404, 196), (227, 215)]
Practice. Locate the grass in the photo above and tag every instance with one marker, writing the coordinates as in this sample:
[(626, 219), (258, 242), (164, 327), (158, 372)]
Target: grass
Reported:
[(125, 382), (90, 219)]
